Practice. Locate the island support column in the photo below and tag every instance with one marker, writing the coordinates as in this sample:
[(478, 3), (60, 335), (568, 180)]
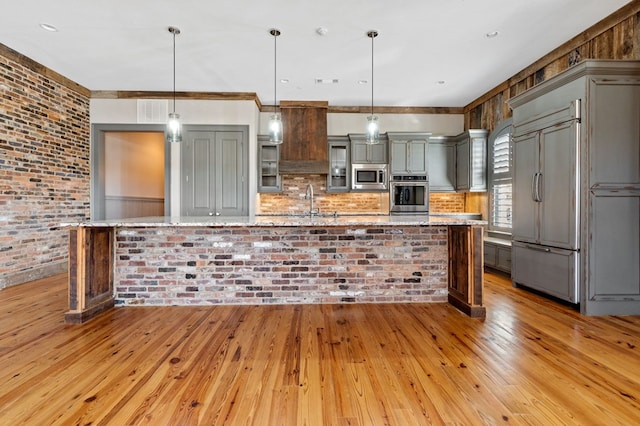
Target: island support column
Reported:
[(466, 269), (90, 273)]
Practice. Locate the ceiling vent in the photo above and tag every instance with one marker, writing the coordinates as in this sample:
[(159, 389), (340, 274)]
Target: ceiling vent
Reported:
[(152, 111), (326, 81)]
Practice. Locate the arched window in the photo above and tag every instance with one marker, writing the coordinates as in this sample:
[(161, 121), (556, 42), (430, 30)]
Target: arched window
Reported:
[(500, 178)]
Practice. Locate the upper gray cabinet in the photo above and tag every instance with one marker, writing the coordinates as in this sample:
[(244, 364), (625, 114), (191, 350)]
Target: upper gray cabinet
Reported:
[(339, 175), (471, 161), (409, 153), (268, 170), (442, 164), (363, 153)]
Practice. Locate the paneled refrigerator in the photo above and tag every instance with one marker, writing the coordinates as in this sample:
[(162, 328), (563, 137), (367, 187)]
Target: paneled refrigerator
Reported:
[(576, 193), (545, 247)]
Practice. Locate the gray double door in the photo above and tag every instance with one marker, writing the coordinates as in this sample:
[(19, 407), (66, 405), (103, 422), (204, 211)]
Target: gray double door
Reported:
[(214, 171)]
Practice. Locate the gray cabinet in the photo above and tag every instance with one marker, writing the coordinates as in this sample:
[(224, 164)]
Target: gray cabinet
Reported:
[(497, 254), (363, 153), (408, 153), (471, 161), (213, 173), (598, 154), (339, 176), (268, 170), (442, 164)]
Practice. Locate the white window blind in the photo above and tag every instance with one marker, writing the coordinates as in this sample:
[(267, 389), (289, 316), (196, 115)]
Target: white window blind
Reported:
[(500, 179)]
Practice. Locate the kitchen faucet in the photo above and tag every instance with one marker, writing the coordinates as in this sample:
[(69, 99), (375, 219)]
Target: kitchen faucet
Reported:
[(309, 196)]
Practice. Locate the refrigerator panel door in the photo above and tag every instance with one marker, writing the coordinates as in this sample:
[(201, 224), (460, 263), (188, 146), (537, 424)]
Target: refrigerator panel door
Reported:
[(558, 186), (546, 269), (525, 168)]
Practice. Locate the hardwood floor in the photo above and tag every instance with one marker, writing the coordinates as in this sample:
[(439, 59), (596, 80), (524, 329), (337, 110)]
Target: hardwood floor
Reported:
[(529, 362)]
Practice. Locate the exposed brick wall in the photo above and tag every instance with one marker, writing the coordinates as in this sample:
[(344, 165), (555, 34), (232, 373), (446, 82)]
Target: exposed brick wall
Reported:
[(186, 266), (446, 202), (44, 170), (291, 199)]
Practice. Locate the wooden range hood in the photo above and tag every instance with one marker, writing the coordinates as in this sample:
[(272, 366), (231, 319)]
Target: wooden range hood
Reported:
[(304, 147)]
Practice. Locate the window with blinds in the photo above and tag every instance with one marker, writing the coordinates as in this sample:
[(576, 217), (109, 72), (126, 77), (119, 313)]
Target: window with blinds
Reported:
[(500, 178)]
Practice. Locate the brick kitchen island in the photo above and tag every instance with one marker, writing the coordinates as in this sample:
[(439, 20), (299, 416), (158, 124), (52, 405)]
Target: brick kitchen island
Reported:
[(274, 260)]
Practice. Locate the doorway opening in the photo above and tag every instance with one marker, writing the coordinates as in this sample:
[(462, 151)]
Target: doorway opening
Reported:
[(129, 172)]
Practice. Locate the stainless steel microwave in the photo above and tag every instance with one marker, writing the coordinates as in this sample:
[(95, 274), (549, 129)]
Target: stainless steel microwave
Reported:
[(369, 177)]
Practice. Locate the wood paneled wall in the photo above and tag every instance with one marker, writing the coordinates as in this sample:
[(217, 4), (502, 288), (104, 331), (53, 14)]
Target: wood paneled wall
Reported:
[(615, 37)]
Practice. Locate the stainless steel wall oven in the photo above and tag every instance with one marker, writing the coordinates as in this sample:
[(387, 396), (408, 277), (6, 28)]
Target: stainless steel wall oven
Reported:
[(409, 194)]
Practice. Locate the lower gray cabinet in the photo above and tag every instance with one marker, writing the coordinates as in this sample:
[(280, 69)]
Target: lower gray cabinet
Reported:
[(497, 254)]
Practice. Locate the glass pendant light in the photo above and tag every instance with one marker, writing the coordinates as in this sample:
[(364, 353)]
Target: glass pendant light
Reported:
[(275, 123), (373, 129), (174, 128)]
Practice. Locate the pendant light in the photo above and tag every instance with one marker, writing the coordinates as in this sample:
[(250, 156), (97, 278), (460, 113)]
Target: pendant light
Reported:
[(174, 128), (275, 123), (373, 130)]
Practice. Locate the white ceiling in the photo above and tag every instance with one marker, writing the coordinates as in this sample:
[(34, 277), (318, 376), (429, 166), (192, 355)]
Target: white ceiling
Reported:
[(225, 45)]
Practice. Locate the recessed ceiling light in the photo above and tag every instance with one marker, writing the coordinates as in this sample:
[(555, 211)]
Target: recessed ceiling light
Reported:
[(440, 82), (363, 81), (321, 31), (48, 27), (492, 34), (284, 80)]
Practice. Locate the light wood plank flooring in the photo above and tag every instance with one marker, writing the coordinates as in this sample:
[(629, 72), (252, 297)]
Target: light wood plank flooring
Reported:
[(530, 362)]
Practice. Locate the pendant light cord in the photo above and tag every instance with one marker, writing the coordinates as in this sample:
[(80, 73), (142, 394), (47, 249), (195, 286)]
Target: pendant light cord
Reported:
[(174, 71), (275, 33), (175, 31), (372, 34), (372, 74), (275, 74)]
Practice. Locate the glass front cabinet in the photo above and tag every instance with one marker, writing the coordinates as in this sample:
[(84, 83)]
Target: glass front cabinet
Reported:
[(268, 174), (338, 176)]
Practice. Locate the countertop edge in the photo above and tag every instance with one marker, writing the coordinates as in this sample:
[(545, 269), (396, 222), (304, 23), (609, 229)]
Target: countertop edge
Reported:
[(273, 221)]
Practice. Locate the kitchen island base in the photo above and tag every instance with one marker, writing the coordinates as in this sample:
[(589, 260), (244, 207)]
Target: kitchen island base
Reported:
[(274, 262)]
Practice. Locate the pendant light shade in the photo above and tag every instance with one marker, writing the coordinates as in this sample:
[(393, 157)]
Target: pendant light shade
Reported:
[(174, 128), (373, 128), (275, 123)]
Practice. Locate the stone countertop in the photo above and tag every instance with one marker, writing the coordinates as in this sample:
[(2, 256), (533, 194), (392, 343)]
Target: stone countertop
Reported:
[(275, 221)]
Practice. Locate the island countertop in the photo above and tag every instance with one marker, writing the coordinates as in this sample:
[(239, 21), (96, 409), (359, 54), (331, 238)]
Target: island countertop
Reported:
[(277, 221)]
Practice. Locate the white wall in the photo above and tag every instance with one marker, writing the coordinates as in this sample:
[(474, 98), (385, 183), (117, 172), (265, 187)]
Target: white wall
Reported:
[(343, 124), (125, 111)]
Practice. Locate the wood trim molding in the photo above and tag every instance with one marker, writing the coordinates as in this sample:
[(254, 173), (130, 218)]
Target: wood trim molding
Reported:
[(394, 110), (36, 67), (304, 104), (252, 96), (622, 14), (208, 96)]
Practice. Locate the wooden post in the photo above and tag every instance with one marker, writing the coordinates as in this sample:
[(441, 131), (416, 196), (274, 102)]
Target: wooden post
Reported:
[(466, 272), (90, 273)]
